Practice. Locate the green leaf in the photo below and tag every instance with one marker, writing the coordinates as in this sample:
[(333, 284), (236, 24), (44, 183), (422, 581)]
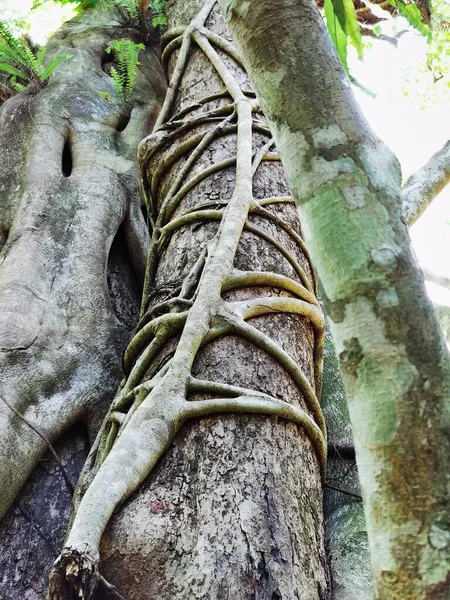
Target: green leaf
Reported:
[(124, 72), (337, 32), (159, 20), (18, 87), (7, 68), (413, 15), (52, 65), (351, 26), (40, 56)]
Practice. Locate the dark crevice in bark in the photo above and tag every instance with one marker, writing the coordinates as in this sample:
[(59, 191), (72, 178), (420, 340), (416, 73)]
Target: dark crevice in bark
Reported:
[(67, 159), (123, 286), (107, 62), (124, 119), (343, 452)]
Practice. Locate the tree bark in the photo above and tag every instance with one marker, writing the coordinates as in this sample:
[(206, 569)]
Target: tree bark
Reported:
[(345, 526), (233, 509), (67, 182), (69, 295), (393, 359)]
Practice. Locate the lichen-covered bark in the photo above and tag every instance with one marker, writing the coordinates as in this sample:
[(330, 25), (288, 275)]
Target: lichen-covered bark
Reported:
[(224, 507), (68, 181), (392, 356), (32, 538)]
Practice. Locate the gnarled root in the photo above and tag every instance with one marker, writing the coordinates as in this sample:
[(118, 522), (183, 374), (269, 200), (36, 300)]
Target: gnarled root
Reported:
[(76, 576)]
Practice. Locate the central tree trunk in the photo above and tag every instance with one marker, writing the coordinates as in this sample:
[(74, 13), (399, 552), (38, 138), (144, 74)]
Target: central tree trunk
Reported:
[(234, 508)]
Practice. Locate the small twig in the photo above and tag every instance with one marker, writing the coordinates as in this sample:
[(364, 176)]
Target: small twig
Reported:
[(37, 527), (341, 491), (436, 278), (49, 445)]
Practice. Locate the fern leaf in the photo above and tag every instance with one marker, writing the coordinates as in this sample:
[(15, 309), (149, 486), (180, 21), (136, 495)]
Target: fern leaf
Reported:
[(53, 65), (159, 13), (413, 15), (126, 54), (18, 87), (7, 68), (40, 56)]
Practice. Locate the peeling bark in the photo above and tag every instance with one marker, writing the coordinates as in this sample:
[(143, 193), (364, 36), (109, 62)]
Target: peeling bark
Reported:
[(394, 362)]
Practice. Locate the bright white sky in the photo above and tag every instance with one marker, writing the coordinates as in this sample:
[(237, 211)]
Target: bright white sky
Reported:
[(46, 19), (414, 130)]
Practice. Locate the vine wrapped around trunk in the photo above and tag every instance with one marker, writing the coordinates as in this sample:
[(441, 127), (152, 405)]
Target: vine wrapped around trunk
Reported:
[(394, 361), (243, 291)]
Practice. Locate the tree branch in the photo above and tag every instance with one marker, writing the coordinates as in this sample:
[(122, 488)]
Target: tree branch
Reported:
[(436, 278), (424, 185)]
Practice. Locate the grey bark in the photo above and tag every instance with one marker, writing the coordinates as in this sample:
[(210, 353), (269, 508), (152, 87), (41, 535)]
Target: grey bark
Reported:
[(57, 322), (424, 185), (69, 294), (33, 530), (345, 526)]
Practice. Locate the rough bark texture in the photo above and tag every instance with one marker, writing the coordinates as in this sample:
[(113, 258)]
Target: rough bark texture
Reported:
[(393, 359), (33, 530), (68, 180), (234, 508)]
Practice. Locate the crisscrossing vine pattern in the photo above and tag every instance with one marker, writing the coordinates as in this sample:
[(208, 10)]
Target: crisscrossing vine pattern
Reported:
[(155, 398)]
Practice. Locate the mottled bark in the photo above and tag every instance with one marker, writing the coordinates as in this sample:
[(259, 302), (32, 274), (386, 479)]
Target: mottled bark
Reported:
[(32, 538), (394, 362), (68, 181), (32, 531), (231, 506)]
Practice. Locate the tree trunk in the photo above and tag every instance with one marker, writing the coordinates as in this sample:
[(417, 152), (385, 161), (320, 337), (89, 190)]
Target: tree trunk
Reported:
[(70, 224), (346, 535), (393, 359), (229, 323)]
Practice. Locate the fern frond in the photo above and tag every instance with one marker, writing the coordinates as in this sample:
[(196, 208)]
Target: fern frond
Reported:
[(16, 86), (7, 68), (130, 6), (126, 54), (159, 17), (52, 65), (40, 55), (18, 59)]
